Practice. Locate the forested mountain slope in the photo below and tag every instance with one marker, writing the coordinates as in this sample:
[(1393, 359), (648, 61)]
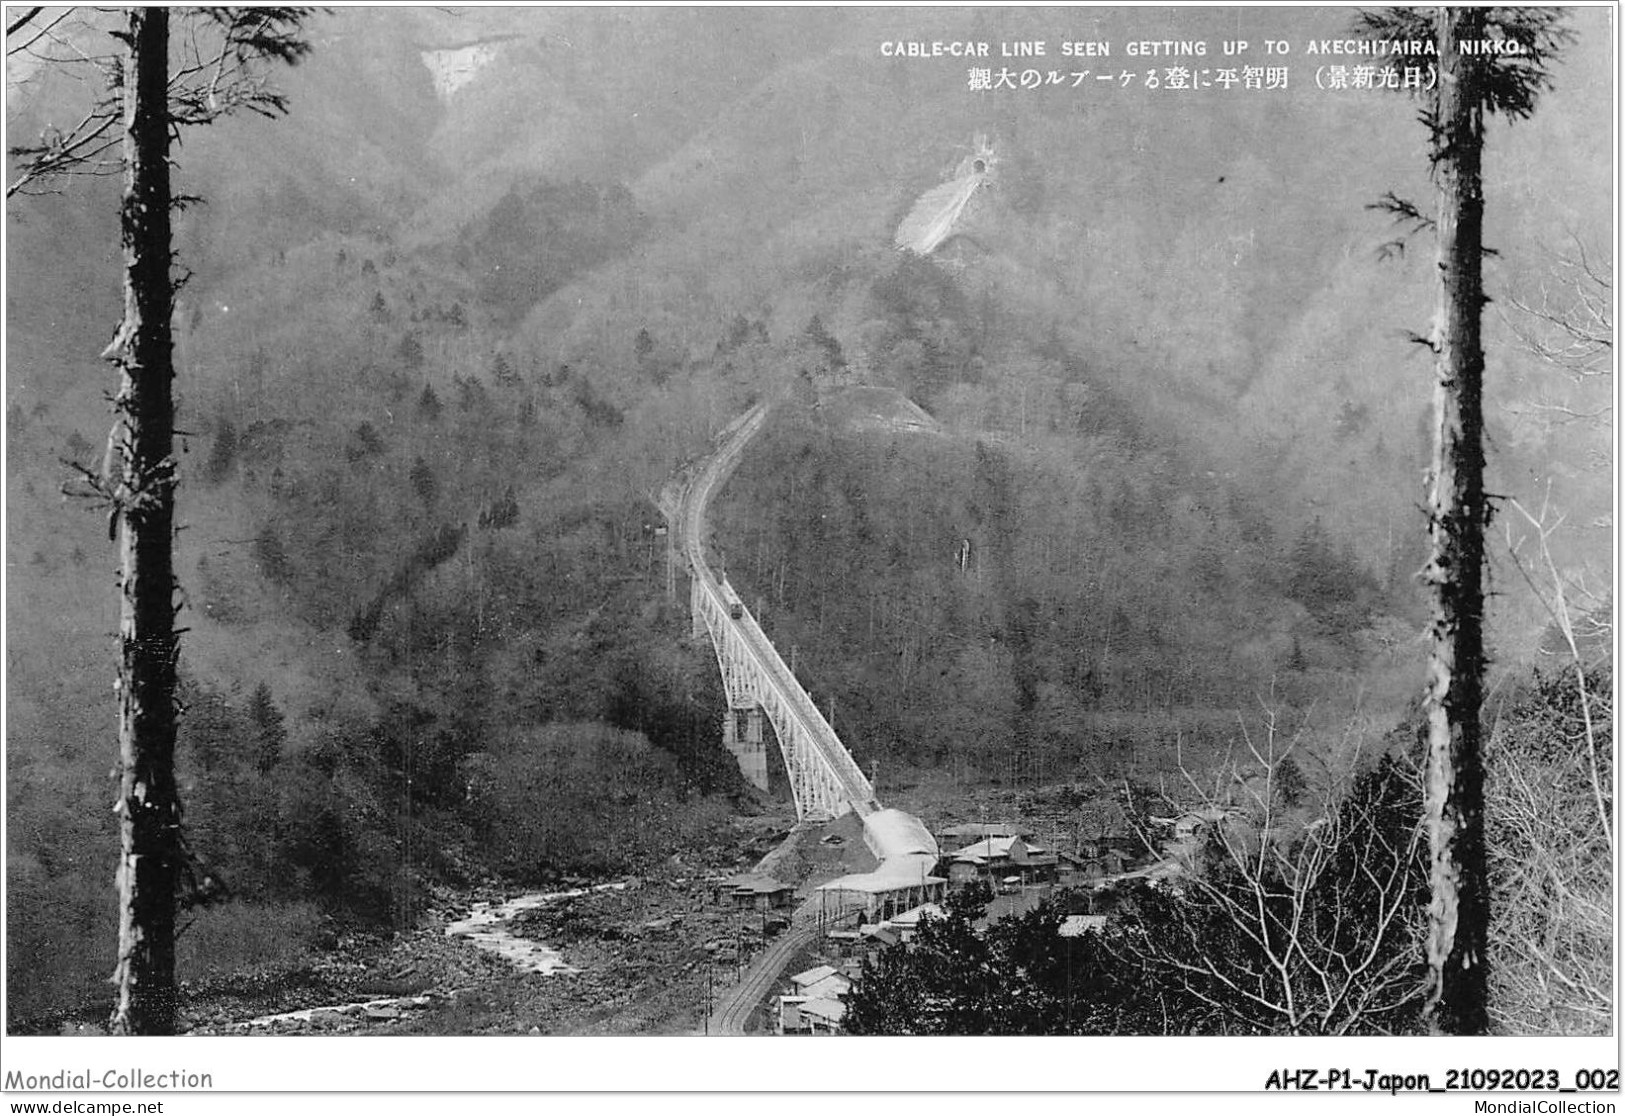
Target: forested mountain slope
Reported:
[(502, 271)]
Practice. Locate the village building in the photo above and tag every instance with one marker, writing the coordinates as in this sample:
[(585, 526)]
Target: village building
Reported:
[(1190, 831), (907, 924), (801, 1016), (878, 938), (757, 892), (876, 896), (908, 855), (833, 987), (1002, 860), (1076, 926), (965, 833), (813, 1006), (1104, 856), (809, 977), (845, 943)]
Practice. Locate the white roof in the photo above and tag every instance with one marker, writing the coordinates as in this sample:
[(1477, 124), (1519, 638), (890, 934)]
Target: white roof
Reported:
[(832, 987), (987, 848), (832, 1011), (813, 975), (893, 874), (984, 829), (1073, 926), (892, 833), (912, 918), (758, 882)]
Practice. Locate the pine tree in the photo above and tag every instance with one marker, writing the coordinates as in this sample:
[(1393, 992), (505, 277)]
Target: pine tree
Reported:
[(223, 454), (820, 336), (148, 99), (410, 350), (270, 733), (423, 482), (1469, 86), (471, 393), (149, 803), (429, 404), (365, 441), (502, 372)]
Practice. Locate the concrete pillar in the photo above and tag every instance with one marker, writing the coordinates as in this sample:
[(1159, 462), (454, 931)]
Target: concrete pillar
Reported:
[(749, 752), (753, 757)]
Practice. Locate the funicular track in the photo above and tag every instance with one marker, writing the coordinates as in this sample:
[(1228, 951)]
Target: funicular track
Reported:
[(825, 780)]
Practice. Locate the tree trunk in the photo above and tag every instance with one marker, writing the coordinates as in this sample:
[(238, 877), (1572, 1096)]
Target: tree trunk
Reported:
[(1458, 915), (144, 480)]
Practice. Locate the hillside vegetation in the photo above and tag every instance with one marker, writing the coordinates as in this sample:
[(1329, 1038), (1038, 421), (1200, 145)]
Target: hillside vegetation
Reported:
[(440, 350)]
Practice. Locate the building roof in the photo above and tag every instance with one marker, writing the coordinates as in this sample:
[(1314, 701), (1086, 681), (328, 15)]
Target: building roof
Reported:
[(832, 987), (1188, 823), (1075, 926), (812, 976), (971, 831), (882, 933), (894, 874), (830, 1011), (990, 848), (893, 833), (909, 919), (1158, 870), (1075, 859), (764, 885)]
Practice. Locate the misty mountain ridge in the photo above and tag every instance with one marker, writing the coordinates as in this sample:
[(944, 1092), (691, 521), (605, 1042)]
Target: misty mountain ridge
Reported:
[(502, 272), (1146, 307)]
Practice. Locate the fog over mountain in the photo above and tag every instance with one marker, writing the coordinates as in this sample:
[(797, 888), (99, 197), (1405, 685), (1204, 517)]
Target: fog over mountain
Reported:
[(1135, 440)]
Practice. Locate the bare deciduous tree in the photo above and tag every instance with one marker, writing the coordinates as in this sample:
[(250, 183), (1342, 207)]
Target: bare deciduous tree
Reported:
[(212, 66), (1570, 322), (1290, 917), (1552, 864)]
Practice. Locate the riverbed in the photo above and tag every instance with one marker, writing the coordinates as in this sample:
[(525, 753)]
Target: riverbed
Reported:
[(487, 927)]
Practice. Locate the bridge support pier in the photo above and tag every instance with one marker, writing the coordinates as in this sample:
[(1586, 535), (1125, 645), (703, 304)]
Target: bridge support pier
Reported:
[(824, 781), (750, 751)]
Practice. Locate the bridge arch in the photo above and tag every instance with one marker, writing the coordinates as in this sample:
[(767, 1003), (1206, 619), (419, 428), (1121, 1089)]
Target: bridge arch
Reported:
[(825, 781)]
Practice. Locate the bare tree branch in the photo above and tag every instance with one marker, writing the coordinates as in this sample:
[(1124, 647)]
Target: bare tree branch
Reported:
[(1569, 322), (1557, 607), (22, 21), (215, 69), (1322, 915)]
